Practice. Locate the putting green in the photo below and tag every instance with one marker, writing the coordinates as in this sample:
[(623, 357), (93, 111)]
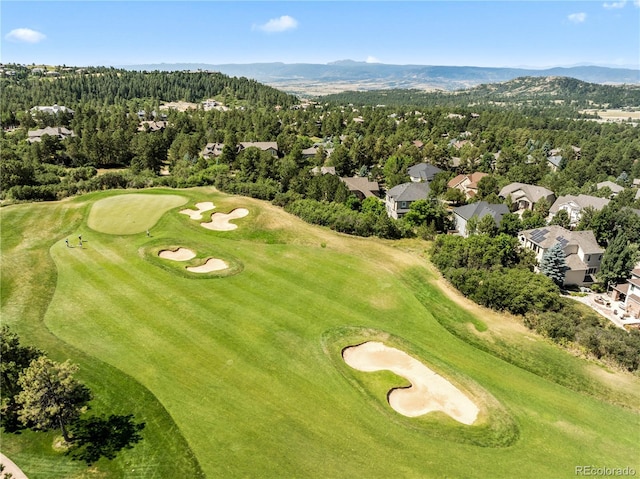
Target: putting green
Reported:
[(131, 213)]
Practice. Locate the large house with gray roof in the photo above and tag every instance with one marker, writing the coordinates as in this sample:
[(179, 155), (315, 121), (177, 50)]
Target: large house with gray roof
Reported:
[(462, 214), (423, 172), (574, 205), (399, 198), (582, 252)]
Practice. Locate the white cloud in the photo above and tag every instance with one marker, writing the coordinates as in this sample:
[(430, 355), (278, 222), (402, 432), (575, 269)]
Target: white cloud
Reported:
[(636, 3), (25, 35), (275, 25), (577, 17), (371, 59), (613, 5)]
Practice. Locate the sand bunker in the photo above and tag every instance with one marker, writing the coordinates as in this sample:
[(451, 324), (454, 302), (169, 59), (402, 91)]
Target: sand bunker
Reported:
[(181, 254), (428, 391), (220, 221), (197, 214), (212, 264)]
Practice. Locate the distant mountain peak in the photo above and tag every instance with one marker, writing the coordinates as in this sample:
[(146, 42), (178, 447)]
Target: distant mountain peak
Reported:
[(346, 62)]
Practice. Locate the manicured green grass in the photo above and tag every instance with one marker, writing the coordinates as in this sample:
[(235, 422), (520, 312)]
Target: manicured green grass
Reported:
[(130, 213), (248, 367)]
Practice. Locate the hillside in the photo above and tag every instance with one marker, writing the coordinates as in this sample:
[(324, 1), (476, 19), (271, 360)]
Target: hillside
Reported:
[(316, 79), (108, 86), (562, 90)]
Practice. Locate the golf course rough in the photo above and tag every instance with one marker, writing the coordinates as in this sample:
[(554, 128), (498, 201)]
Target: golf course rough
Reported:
[(246, 369)]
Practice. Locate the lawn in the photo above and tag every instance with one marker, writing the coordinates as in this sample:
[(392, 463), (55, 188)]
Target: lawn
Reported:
[(239, 374)]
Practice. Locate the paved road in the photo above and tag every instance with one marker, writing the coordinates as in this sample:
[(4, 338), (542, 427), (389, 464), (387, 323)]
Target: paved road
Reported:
[(10, 466)]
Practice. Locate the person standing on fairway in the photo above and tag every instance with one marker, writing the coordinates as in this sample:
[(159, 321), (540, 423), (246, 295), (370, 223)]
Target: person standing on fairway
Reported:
[(66, 240)]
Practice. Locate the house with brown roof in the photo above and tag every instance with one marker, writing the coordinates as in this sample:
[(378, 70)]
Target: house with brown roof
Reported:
[(574, 205), (60, 132), (582, 252), (526, 196), (468, 184), (361, 186), (151, 125), (270, 146), (614, 187)]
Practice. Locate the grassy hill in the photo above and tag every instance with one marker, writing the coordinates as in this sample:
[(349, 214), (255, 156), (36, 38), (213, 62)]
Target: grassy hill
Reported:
[(239, 374)]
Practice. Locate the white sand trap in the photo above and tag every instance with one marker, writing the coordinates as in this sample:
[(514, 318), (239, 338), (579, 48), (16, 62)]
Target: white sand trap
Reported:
[(212, 264), (197, 214), (181, 254), (428, 391), (221, 221)]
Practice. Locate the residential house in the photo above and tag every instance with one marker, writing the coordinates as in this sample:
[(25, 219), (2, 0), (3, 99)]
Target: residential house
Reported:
[(323, 170), (554, 162), (313, 150), (574, 205), (629, 293), (53, 110), (270, 146), (423, 172), (361, 186), (462, 214), (152, 125), (614, 187), (399, 198), (215, 149), (582, 252), (468, 184), (60, 132), (212, 150), (526, 196), (555, 158)]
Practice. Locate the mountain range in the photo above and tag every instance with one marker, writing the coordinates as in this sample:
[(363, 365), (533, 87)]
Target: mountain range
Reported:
[(319, 79)]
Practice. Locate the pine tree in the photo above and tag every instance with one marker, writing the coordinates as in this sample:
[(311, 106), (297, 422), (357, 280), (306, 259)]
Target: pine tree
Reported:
[(51, 397), (553, 264)]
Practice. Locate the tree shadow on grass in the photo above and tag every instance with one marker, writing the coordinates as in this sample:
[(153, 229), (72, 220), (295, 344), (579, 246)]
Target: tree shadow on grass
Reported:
[(98, 437)]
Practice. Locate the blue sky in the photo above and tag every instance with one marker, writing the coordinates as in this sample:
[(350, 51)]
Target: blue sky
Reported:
[(477, 33)]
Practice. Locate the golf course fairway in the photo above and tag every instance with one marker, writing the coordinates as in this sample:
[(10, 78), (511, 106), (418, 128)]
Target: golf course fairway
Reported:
[(240, 373)]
